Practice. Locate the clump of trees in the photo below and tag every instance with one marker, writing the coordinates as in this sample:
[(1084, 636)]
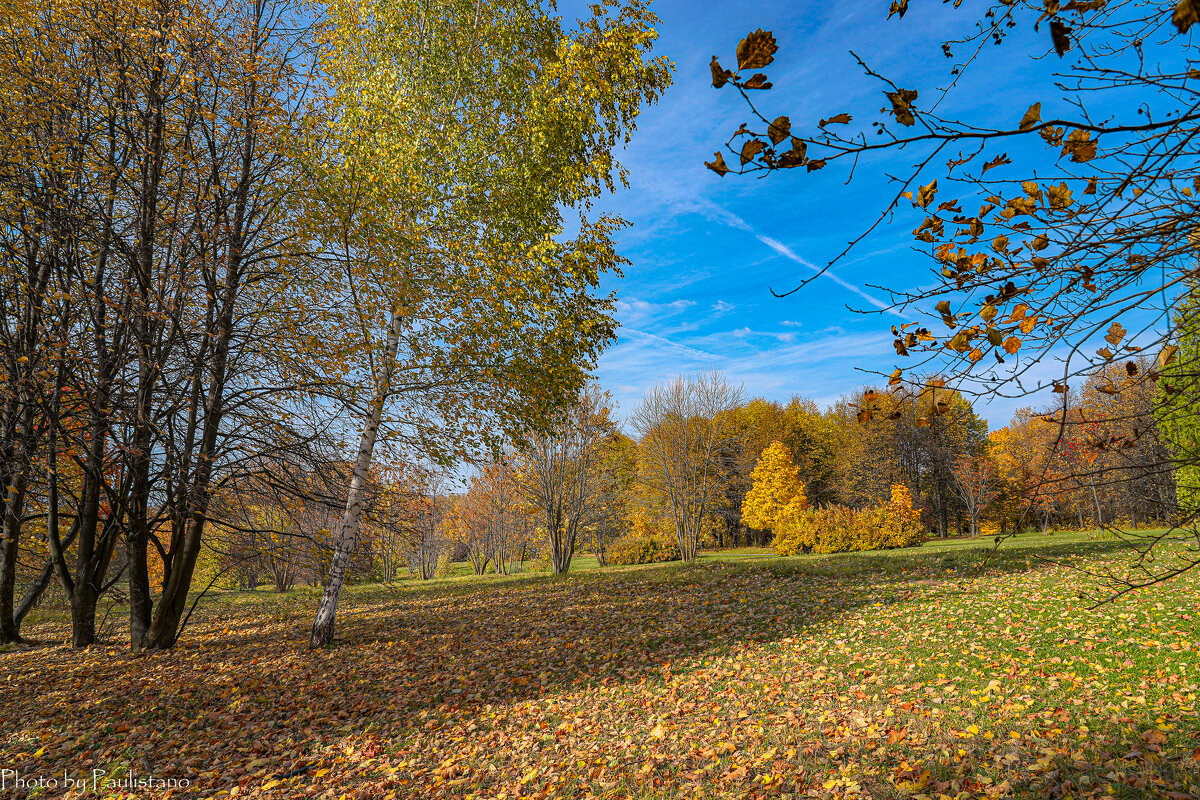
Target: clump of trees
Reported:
[(1102, 457), (886, 467), (241, 244), (889, 469), (492, 521)]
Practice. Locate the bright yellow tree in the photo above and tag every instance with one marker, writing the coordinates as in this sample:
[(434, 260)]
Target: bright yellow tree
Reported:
[(776, 493)]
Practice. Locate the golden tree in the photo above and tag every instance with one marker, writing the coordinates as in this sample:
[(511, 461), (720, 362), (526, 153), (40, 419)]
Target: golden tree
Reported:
[(777, 492)]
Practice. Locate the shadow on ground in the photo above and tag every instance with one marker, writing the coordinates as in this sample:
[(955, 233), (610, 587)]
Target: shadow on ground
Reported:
[(243, 688)]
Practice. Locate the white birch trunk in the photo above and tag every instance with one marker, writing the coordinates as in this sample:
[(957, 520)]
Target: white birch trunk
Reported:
[(348, 528)]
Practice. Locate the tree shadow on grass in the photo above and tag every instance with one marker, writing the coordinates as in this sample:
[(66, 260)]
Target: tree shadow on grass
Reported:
[(244, 700)]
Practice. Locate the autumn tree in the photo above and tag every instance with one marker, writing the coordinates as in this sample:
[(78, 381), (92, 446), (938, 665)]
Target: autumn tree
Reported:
[(565, 473), (684, 429), (405, 519), (1128, 460), (618, 474), (162, 264), (975, 480), (1175, 413), (777, 492), (1029, 485), (911, 437), (757, 423), (423, 515), (467, 525), (815, 439), (492, 521), (459, 133), (28, 202), (812, 436), (503, 513)]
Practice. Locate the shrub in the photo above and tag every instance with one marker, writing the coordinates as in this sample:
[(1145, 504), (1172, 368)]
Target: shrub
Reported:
[(635, 549), (651, 539), (445, 568), (838, 529), (802, 532)]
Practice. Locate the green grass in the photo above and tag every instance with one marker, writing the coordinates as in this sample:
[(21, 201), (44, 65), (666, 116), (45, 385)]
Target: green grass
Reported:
[(928, 672)]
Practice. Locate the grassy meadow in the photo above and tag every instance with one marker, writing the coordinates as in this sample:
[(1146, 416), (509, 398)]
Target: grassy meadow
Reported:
[(924, 673)]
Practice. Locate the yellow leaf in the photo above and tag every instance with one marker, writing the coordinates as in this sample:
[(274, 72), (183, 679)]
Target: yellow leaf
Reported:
[(1186, 14), (926, 194), (1032, 117), (1116, 332)]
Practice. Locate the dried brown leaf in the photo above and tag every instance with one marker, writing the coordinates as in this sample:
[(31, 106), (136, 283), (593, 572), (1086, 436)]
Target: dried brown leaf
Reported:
[(839, 119), (757, 50)]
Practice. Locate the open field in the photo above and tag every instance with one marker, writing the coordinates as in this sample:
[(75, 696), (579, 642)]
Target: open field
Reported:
[(900, 674)]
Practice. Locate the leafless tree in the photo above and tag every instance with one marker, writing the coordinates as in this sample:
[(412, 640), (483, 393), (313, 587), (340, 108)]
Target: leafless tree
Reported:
[(684, 427), (562, 473)]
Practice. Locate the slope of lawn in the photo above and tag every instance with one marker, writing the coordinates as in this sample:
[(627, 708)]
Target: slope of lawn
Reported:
[(905, 674)]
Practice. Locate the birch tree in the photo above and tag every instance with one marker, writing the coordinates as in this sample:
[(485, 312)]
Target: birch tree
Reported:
[(457, 133)]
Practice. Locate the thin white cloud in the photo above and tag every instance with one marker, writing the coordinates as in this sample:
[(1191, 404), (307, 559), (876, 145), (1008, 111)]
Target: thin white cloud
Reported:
[(799, 358), (788, 253), (682, 202), (634, 310), (690, 352)]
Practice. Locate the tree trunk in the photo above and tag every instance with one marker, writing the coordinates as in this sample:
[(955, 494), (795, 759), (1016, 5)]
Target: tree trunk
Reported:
[(30, 599), (83, 614), (347, 537), (1096, 500), (164, 629), (12, 504), (9, 532)]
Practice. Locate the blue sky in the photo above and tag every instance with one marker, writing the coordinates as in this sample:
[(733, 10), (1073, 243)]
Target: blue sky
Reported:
[(706, 250)]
